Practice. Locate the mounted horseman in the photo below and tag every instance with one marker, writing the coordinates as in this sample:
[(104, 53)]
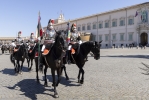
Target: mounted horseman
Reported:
[(32, 49), (31, 42), (18, 42), (49, 39), (74, 41)]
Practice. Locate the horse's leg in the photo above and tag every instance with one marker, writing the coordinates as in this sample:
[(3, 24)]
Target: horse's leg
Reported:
[(28, 62), (36, 64), (31, 64), (45, 76), (21, 66), (82, 71), (59, 76), (64, 67), (18, 66), (79, 75), (54, 83)]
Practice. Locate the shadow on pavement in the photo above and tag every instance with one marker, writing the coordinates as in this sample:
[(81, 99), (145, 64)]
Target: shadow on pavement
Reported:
[(129, 56), (30, 88), (146, 69), (63, 81), (12, 72)]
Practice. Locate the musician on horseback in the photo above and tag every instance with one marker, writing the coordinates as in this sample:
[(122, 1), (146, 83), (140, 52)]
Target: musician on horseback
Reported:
[(74, 39), (18, 42), (49, 39)]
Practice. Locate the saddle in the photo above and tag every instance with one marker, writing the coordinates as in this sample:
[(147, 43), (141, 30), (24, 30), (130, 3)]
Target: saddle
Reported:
[(31, 49), (48, 44), (16, 48), (45, 52)]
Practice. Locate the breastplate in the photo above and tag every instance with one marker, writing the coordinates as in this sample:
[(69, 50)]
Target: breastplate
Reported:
[(50, 35), (31, 40), (19, 40), (74, 36)]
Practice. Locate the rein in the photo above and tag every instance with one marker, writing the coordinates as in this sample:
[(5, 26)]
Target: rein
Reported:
[(60, 48)]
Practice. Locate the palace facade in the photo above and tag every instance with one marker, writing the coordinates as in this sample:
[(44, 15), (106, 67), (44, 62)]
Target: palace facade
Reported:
[(117, 27)]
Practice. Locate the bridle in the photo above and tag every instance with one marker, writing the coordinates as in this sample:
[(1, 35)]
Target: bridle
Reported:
[(94, 47)]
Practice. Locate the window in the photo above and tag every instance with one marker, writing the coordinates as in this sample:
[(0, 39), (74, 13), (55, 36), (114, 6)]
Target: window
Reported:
[(130, 22), (114, 24), (100, 25), (106, 38), (94, 26), (130, 36), (106, 25), (88, 27), (100, 37), (121, 22), (79, 29), (83, 28), (121, 37), (114, 36)]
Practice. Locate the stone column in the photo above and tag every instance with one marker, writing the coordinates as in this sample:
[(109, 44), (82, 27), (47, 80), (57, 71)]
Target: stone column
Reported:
[(137, 39)]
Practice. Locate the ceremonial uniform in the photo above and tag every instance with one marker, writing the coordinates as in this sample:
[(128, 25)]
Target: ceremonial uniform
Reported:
[(74, 39), (49, 40), (31, 42), (18, 42)]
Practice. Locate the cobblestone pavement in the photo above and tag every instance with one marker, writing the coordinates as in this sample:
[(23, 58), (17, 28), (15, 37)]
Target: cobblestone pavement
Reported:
[(117, 75)]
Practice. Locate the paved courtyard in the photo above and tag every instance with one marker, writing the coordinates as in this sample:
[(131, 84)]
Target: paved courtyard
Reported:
[(118, 75)]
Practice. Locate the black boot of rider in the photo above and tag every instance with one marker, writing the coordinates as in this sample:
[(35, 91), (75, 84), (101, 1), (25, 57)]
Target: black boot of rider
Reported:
[(41, 63), (69, 56)]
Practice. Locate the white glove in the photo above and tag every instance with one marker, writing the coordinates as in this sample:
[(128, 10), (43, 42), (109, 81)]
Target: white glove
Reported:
[(39, 38), (80, 42), (43, 47), (69, 47)]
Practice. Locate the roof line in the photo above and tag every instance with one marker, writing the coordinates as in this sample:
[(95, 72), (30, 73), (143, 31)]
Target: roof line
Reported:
[(124, 8)]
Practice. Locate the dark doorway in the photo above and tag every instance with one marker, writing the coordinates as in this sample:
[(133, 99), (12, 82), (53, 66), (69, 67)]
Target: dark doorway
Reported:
[(144, 39)]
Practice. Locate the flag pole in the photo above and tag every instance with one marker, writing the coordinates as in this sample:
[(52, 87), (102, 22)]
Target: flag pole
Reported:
[(38, 37)]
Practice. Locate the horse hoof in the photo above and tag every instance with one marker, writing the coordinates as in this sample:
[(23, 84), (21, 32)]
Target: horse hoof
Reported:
[(81, 82), (16, 74), (78, 81), (38, 81), (45, 85), (67, 78), (56, 95)]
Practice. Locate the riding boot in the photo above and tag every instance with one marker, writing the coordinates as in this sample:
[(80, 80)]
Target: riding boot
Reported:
[(13, 56), (41, 63), (69, 56)]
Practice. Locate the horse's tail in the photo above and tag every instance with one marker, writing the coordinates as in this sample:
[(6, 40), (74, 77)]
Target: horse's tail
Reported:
[(12, 61)]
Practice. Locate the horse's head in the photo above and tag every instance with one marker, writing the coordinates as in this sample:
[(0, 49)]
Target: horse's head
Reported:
[(25, 49), (96, 49), (59, 39)]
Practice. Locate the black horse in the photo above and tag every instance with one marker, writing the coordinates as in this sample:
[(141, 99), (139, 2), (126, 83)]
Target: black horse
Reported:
[(31, 55), (54, 60), (79, 58), (19, 55)]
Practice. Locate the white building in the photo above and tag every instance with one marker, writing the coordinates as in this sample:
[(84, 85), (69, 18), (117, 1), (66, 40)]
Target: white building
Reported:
[(115, 27)]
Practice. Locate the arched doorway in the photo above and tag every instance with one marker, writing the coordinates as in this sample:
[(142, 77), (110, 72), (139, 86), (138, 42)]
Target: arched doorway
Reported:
[(144, 39)]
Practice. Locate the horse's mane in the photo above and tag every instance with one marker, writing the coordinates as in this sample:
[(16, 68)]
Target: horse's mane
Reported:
[(86, 46)]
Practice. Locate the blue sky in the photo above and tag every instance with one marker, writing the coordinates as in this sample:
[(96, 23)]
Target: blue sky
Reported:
[(22, 15)]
